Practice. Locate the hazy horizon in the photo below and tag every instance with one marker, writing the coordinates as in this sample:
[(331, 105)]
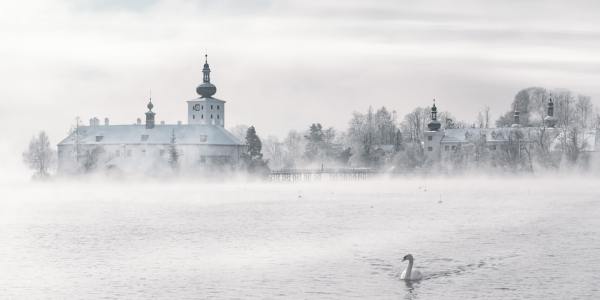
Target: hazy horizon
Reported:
[(282, 65)]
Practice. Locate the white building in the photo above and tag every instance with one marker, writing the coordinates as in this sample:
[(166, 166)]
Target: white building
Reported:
[(201, 143), (441, 144)]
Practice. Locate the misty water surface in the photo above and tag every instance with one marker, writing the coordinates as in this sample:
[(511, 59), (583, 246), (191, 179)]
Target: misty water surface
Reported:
[(485, 238)]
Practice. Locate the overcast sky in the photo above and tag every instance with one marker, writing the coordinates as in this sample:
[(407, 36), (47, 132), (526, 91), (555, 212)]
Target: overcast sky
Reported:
[(282, 65)]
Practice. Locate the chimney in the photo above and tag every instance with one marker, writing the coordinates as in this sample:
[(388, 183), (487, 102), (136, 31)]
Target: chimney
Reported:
[(178, 122), (138, 121), (106, 122)]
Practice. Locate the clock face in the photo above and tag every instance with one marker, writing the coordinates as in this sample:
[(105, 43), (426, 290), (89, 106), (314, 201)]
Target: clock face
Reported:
[(197, 107)]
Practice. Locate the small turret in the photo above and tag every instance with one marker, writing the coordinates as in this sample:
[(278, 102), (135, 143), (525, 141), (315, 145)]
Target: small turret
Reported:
[(550, 120), (434, 125), (150, 115), (517, 119)]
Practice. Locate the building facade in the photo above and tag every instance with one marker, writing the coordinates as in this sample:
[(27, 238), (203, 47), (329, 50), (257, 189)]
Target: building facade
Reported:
[(442, 144), (202, 143)]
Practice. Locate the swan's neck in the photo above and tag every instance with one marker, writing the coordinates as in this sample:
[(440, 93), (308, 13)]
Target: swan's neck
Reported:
[(409, 268)]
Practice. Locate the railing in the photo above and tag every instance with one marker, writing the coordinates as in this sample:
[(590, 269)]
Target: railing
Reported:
[(291, 175)]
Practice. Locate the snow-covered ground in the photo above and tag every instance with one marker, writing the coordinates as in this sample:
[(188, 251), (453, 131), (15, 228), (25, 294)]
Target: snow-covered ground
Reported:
[(484, 238)]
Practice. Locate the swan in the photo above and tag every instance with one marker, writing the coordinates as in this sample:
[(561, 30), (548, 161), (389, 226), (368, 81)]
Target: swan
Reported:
[(409, 274)]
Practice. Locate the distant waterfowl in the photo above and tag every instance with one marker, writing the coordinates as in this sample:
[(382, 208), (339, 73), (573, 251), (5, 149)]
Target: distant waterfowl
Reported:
[(409, 274)]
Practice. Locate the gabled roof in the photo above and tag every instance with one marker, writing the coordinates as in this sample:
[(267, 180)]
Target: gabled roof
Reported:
[(195, 134)]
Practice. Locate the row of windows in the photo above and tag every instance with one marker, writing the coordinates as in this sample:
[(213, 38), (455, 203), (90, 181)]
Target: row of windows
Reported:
[(202, 117), (211, 107)]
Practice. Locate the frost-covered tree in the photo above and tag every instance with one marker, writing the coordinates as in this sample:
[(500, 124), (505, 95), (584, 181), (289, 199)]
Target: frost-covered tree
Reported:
[(91, 158), (39, 156)]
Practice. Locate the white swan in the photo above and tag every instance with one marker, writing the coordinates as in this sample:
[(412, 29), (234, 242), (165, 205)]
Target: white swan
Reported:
[(409, 274)]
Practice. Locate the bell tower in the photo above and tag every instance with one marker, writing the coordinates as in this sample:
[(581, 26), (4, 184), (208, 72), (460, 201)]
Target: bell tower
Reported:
[(206, 110)]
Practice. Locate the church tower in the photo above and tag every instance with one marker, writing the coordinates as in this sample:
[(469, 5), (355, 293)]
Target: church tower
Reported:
[(433, 136), (206, 110)]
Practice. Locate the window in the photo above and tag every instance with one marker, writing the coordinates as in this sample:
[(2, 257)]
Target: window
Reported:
[(493, 147), (99, 138), (143, 151), (217, 107), (162, 152), (144, 137), (202, 117), (202, 107), (118, 153), (129, 152), (211, 116), (453, 147), (217, 116), (446, 147), (211, 107), (203, 138), (429, 138), (429, 149), (202, 159), (194, 117)]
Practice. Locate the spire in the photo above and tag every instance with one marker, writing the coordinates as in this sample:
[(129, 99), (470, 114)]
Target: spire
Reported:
[(206, 89), (206, 70), (434, 111)]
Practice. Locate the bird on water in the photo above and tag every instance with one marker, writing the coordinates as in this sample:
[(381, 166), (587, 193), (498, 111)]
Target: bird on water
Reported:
[(409, 274)]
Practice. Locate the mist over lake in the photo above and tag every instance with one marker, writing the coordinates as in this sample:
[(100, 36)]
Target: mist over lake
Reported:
[(492, 238)]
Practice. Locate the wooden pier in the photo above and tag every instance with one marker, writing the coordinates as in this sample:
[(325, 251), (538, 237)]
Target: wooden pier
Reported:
[(341, 174)]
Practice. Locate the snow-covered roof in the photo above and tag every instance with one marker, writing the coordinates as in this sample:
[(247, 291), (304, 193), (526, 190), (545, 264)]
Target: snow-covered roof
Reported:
[(195, 134)]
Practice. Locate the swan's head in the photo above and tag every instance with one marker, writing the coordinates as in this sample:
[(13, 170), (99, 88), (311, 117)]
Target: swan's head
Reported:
[(408, 257)]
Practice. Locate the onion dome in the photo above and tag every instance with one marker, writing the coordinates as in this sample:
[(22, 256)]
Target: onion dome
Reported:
[(206, 89)]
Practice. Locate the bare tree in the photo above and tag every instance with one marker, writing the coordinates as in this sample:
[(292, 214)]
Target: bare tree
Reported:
[(39, 155)]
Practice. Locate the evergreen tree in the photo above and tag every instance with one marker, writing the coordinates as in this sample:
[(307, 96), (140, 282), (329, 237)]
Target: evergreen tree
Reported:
[(253, 158), (173, 153)]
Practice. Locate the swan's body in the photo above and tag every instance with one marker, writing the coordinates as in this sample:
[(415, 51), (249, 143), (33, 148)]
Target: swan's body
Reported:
[(409, 274)]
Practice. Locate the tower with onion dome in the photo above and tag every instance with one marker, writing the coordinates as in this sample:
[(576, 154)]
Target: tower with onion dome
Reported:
[(206, 109), (433, 136)]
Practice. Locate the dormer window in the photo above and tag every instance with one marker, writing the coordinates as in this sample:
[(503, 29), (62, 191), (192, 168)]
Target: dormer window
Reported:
[(99, 138), (145, 137)]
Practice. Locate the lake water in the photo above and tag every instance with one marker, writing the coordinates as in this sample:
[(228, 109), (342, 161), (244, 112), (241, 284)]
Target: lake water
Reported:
[(472, 238)]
